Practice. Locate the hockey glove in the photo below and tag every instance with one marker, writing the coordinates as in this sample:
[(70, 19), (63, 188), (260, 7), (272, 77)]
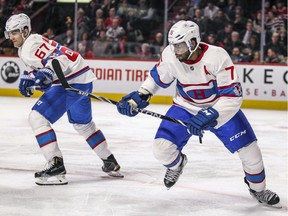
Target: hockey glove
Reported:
[(204, 119), (131, 101), (43, 79), (26, 84)]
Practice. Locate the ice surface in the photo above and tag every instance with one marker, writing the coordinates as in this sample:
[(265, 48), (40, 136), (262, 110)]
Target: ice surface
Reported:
[(211, 184)]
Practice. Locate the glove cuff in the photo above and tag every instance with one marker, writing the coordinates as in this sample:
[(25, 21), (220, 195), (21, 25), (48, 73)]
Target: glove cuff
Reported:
[(144, 94), (214, 111)]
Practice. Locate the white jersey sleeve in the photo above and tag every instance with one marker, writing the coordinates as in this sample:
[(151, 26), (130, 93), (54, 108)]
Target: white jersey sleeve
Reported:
[(37, 52), (159, 77)]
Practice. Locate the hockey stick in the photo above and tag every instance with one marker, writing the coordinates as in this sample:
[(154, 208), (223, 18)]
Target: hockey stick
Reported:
[(58, 70), (62, 79)]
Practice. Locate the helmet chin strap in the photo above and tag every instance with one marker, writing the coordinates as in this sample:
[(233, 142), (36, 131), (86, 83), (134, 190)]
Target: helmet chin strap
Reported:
[(22, 34), (191, 52)]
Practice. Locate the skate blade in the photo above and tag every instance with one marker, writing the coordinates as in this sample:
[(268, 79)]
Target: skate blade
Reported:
[(116, 174), (54, 180), (278, 205)]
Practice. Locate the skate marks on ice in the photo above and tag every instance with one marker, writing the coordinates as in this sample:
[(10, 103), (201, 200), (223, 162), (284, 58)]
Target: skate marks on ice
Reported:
[(136, 194), (211, 183)]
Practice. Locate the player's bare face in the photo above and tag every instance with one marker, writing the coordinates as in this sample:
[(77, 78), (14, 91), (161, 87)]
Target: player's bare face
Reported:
[(180, 51), (16, 38)]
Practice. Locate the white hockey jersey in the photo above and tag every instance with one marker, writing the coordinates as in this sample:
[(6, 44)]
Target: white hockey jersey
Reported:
[(209, 81), (37, 52)]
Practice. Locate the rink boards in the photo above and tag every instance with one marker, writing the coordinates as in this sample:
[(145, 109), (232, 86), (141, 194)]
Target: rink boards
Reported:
[(264, 86)]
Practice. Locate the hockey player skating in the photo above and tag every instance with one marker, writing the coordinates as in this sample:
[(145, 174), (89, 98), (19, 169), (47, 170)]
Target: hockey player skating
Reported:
[(208, 96), (36, 52)]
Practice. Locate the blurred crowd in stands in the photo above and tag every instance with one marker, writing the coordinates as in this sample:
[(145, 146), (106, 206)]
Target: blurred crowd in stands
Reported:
[(134, 28)]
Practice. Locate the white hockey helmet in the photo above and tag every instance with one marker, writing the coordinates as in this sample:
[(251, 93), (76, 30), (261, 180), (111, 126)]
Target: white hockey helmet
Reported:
[(184, 31), (17, 22)]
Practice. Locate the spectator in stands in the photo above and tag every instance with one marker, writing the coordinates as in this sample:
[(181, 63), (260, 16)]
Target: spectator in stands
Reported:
[(256, 57), (102, 47), (82, 22), (69, 23), (140, 31), (236, 55), (99, 14), (151, 12), (95, 32), (201, 21), (283, 40), (123, 9), (146, 52), (157, 43), (230, 9), (253, 44), (224, 35), (274, 57), (106, 6), (181, 15), (274, 23), (275, 44), (246, 34), (234, 42), (220, 20), (158, 39), (68, 39), (142, 8), (191, 6), (257, 23), (49, 33), (239, 21), (210, 10), (25, 6), (84, 50), (149, 21), (211, 39), (108, 21), (280, 9), (123, 46), (115, 33), (85, 39), (267, 6), (133, 31), (90, 11)]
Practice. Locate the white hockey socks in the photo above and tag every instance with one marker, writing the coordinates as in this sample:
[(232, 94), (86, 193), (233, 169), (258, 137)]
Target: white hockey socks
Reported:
[(167, 153), (95, 138), (45, 135), (253, 166)]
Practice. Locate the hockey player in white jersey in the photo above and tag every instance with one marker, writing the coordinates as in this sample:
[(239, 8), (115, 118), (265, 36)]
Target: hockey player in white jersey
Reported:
[(208, 96), (37, 52)]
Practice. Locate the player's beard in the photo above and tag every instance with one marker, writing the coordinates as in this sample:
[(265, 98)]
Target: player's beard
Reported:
[(183, 57)]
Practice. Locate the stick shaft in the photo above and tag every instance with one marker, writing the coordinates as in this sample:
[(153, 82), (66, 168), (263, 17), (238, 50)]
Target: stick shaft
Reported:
[(62, 79)]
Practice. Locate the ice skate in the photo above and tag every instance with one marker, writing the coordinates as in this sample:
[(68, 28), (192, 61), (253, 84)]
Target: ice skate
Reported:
[(53, 174), (111, 167), (171, 176), (265, 197)]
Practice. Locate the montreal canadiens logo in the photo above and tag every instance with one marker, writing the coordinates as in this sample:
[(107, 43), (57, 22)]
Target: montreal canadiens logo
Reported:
[(10, 72)]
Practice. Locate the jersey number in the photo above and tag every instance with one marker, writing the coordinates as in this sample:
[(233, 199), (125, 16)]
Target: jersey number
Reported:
[(40, 53), (231, 68)]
